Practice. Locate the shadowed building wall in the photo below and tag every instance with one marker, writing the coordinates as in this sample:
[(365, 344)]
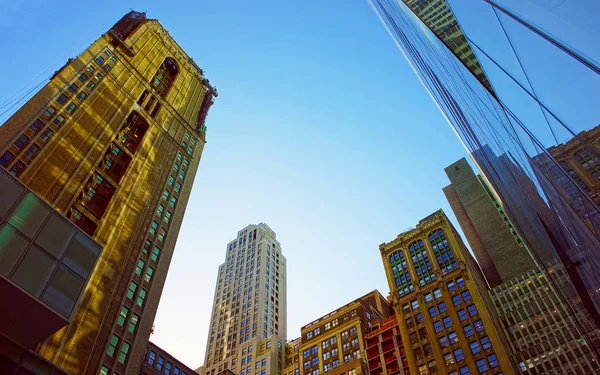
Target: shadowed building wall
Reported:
[(113, 142), (496, 247)]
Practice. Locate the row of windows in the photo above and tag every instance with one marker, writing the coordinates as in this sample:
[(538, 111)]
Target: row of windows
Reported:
[(159, 363), (141, 266)]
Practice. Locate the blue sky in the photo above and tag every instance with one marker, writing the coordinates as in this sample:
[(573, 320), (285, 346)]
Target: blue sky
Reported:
[(321, 130)]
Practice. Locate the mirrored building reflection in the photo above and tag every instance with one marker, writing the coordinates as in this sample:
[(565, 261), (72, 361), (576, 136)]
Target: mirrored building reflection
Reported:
[(531, 132)]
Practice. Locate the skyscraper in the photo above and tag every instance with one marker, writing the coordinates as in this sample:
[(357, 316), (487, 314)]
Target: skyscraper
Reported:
[(529, 305), (493, 239), (538, 100), (248, 326), (445, 316), (112, 143)]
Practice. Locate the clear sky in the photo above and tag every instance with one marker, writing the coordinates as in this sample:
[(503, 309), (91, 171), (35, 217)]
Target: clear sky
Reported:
[(321, 130)]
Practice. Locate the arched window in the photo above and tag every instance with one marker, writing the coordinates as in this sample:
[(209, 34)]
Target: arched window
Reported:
[(164, 78), (421, 262), (442, 251), (401, 275)]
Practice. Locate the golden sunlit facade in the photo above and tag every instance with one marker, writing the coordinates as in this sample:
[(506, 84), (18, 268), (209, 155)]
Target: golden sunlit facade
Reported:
[(335, 343), (446, 319), (292, 357), (113, 142)]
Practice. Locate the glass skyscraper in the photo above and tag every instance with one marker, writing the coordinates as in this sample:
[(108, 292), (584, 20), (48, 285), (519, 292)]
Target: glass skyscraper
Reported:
[(537, 90)]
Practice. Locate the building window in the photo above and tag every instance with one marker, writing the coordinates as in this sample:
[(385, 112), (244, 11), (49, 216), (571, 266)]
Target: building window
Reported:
[(140, 267), (442, 307), (481, 365), (485, 343), (466, 296), (468, 330), (6, 159), (161, 235), (123, 353), (147, 246), (73, 88), (164, 78), (464, 370), (159, 363), (62, 99), (83, 77), (71, 107), (447, 322), (437, 326), (443, 341), (168, 217), (456, 300), (159, 210), (32, 151), (493, 360), (168, 368), (131, 291), (22, 141), (475, 348), (100, 60), (590, 162), (451, 286), (433, 312), (172, 202), (90, 86), (441, 249), (49, 112), (46, 135), (58, 121), (17, 168), (448, 359), (177, 187), (478, 326), (452, 337), (82, 95), (103, 370), (460, 282), (182, 174), (421, 262), (153, 227), (122, 316), (112, 346), (472, 310), (141, 297), (149, 273), (171, 180), (459, 355), (133, 323), (155, 254)]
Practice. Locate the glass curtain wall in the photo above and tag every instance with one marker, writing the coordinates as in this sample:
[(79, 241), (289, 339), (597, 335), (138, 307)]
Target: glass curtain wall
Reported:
[(523, 130)]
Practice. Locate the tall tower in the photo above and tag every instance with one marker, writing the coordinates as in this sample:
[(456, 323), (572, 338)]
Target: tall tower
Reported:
[(248, 326), (493, 239), (522, 291), (112, 143)]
